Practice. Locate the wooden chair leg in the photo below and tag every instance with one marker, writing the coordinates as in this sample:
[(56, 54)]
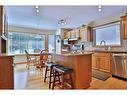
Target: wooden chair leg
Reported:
[(62, 83), (59, 77), (71, 82)]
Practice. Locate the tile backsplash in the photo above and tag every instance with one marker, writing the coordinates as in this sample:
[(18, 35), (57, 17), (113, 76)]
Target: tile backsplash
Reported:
[(89, 46)]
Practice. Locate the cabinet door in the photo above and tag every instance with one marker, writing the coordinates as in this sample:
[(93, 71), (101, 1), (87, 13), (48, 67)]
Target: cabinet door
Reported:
[(124, 26), (68, 34), (95, 62), (77, 33), (104, 64), (73, 34), (6, 73), (83, 34), (86, 34)]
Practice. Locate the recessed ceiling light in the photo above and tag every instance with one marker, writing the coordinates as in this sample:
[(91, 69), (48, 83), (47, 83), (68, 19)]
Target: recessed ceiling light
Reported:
[(99, 8), (36, 6), (37, 11)]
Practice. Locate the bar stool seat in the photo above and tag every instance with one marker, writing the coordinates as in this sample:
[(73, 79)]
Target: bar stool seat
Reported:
[(62, 72), (49, 66), (62, 69)]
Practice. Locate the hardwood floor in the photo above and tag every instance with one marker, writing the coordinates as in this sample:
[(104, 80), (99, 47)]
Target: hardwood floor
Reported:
[(33, 79)]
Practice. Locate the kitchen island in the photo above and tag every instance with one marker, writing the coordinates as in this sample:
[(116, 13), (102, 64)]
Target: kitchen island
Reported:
[(6, 71), (81, 63)]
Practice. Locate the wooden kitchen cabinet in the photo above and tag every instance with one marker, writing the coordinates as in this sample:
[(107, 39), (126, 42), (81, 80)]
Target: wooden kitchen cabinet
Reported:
[(124, 26), (102, 61), (1, 24), (67, 35), (77, 32), (86, 34), (72, 34), (104, 64), (94, 61), (6, 72)]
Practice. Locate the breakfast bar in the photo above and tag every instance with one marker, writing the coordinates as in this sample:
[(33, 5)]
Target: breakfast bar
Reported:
[(6, 71), (81, 63)]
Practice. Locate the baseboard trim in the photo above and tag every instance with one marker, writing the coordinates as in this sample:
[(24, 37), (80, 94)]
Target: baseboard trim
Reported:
[(125, 79)]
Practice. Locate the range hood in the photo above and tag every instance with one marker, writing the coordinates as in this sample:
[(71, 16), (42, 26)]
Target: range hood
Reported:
[(73, 39)]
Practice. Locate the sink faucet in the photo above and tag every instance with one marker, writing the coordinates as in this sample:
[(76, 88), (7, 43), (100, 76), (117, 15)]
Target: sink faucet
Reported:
[(104, 43)]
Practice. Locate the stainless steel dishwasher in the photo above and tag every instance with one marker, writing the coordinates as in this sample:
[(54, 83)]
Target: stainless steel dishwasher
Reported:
[(119, 66)]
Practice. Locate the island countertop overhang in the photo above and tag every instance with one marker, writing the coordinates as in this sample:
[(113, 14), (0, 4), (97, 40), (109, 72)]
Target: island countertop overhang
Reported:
[(73, 54)]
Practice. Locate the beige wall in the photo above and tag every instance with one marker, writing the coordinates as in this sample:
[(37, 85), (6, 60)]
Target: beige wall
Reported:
[(22, 58)]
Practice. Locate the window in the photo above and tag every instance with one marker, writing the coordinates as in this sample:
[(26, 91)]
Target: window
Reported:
[(18, 42), (109, 34), (51, 43)]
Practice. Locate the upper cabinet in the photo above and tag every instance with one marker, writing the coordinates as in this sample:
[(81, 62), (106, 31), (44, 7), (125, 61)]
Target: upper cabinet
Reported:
[(124, 26), (86, 34), (71, 34)]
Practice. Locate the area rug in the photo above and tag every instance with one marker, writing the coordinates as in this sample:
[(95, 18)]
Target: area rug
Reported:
[(100, 75)]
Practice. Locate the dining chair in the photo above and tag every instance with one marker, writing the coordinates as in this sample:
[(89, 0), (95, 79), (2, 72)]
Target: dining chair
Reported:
[(44, 51), (37, 50), (37, 57), (44, 57), (30, 60)]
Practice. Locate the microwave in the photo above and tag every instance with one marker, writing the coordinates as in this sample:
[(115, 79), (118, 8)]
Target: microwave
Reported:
[(66, 41)]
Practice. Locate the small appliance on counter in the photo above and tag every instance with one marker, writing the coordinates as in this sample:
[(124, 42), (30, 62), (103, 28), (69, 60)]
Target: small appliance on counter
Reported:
[(66, 42), (82, 47)]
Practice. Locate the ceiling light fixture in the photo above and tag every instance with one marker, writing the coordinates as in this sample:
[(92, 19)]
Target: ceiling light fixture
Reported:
[(37, 9), (99, 8), (62, 22)]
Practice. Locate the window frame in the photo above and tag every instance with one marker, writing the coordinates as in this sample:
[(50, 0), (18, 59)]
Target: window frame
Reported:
[(7, 48), (104, 26)]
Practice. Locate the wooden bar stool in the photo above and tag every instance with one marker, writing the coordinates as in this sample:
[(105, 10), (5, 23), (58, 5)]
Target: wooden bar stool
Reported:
[(65, 74), (49, 66)]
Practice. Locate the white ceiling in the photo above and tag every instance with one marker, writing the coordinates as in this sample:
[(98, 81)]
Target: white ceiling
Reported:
[(49, 15)]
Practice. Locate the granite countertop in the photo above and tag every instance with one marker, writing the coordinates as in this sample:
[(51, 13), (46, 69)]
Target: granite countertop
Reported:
[(73, 54), (6, 55), (109, 51)]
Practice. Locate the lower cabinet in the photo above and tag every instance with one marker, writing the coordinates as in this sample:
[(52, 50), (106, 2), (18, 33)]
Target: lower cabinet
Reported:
[(102, 61), (6, 72)]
